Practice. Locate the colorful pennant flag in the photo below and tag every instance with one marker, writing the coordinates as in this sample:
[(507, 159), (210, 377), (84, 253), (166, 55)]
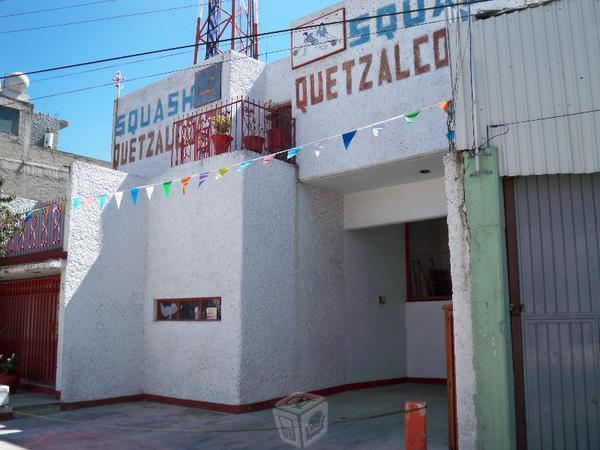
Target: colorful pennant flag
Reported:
[(102, 200), (149, 191), (292, 152), (267, 159), (118, 197), (410, 117), (221, 172), (202, 178), (184, 183), (244, 166), (450, 135), (28, 215), (347, 137), (167, 188), (89, 201), (134, 194), (377, 130), (444, 105), (318, 150)]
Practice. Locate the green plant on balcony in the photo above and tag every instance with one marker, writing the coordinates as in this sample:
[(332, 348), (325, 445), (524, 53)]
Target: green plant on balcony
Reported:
[(9, 221), (221, 138), (9, 372)]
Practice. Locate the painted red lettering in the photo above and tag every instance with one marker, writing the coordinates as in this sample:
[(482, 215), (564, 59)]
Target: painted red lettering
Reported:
[(367, 60), (301, 94), (150, 136), (331, 82), (316, 97), (347, 67), (385, 74), (438, 37), (132, 149), (420, 68), (400, 74)]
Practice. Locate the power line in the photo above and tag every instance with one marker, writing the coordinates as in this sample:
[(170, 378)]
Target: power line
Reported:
[(198, 66), (258, 35), (58, 8), (539, 119), (99, 19)]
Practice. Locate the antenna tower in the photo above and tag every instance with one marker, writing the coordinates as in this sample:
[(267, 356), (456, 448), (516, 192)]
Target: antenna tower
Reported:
[(234, 27)]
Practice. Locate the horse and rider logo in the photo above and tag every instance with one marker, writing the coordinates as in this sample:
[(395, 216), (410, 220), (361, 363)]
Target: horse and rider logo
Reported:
[(318, 38)]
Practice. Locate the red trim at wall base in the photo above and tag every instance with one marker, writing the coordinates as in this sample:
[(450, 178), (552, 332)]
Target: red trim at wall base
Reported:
[(426, 380), (102, 402), (249, 407)]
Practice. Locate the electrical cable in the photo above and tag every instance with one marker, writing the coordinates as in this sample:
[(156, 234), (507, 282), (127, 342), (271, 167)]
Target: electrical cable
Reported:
[(198, 66), (59, 8), (257, 35)]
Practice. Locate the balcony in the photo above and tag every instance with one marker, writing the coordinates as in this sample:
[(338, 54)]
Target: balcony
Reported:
[(237, 125), (41, 238)]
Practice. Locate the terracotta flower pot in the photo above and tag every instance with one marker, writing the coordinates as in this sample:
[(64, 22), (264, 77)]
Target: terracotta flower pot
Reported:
[(254, 143), (221, 142), (276, 139), (10, 380)]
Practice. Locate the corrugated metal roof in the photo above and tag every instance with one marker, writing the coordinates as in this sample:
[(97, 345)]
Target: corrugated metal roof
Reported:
[(531, 64)]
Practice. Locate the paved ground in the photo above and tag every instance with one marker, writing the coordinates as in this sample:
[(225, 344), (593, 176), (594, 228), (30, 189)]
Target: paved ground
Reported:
[(133, 425)]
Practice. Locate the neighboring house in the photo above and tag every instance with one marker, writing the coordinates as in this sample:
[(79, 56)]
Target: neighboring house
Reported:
[(329, 271), (30, 162), (525, 231)]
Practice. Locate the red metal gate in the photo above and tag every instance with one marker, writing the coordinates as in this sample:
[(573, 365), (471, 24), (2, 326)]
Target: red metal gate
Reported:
[(28, 326)]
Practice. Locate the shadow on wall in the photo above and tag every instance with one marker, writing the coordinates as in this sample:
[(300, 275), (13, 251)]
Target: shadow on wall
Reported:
[(104, 286)]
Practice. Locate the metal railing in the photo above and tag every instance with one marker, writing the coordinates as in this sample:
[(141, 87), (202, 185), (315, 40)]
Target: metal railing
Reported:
[(42, 231), (253, 126)]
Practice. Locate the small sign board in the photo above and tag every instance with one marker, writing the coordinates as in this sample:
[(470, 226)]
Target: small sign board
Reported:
[(319, 38), (207, 85)]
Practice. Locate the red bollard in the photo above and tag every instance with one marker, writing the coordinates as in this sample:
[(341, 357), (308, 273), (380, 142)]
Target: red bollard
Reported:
[(415, 426)]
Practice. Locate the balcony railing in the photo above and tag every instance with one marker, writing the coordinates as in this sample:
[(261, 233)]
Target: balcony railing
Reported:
[(43, 231), (254, 126)]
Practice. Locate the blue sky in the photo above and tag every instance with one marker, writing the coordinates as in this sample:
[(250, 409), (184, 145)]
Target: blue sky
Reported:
[(90, 112)]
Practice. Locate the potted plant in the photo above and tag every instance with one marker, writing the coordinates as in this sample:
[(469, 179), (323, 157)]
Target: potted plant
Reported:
[(8, 372), (221, 138), (253, 139)]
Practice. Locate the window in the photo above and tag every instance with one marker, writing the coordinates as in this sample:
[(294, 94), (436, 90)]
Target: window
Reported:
[(9, 120), (428, 261), (188, 310)]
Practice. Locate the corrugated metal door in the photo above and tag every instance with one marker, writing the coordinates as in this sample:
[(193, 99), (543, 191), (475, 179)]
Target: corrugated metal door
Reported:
[(558, 240), (28, 321)]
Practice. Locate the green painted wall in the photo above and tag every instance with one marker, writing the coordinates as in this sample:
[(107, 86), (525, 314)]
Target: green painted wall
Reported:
[(492, 349)]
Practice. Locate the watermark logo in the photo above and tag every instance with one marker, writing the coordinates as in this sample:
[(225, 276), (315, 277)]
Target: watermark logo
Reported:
[(301, 419)]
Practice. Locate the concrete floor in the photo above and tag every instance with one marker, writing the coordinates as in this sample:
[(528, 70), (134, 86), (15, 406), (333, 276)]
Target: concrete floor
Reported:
[(24, 399), (184, 428)]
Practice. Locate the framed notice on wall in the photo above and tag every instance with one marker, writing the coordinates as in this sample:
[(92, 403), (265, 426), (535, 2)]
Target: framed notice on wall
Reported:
[(207, 85), (319, 38)]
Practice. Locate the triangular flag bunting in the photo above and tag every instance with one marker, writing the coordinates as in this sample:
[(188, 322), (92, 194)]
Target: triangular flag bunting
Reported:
[(317, 153), (292, 152), (267, 159), (318, 150), (134, 194), (89, 201), (28, 215), (410, 117), (450, 135), (118, 197), (443, 105), (149, 191), (244, 166), (347, 137), (377, 130), (102, 200), (184, 183), (76, 202), (222, 171), (167, 188), (202, 178)]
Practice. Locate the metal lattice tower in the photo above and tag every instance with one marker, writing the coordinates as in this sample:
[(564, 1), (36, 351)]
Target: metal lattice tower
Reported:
[(234, 27)]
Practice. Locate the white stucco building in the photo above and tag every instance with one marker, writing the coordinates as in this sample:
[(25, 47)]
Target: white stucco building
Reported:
[(322, 273)]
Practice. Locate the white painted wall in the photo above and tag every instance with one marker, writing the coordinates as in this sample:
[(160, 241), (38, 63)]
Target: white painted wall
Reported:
[(425, 340), (100, 317), (375, 333), (195, 250), (398, 204)]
